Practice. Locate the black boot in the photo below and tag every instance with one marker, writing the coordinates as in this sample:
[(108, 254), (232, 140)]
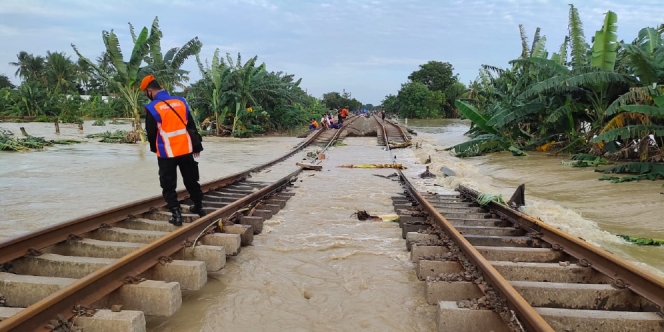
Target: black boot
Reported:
[(176, 217), (197, 208)]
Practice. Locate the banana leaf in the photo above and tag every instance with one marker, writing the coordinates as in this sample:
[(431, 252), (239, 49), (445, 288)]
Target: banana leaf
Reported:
[(628, 132), (479, 119), (605, 45)]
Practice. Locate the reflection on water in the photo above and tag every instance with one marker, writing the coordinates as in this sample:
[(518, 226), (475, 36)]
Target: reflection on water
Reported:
[(569, 198)]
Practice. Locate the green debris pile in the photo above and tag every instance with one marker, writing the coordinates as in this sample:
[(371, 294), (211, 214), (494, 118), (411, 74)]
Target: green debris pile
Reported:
[(99, 122), (585, 160), (116, 122), (118, 136), (638, 170), (484, 199), (641, 241), (8, 142)]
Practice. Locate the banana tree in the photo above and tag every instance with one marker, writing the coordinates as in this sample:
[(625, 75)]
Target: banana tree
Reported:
[(127, 75), (215, 89), (167, 67)]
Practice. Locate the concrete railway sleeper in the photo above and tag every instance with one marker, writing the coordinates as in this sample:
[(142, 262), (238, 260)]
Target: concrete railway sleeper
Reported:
[(106, 271), (486, 272)]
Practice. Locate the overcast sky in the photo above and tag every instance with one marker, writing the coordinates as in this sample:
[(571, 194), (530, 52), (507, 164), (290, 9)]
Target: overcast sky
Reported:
[(367, 47)]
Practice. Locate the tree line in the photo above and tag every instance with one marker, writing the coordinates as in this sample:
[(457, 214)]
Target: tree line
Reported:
[(237, 98), (429, 93)]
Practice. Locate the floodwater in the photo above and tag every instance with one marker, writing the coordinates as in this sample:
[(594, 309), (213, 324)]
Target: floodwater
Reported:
[(315, 268), (37, 188), (570, 198)]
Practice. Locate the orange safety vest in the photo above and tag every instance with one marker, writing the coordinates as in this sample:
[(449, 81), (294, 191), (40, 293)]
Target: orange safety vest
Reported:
[(172, 137), (344, 113), (315, 124)]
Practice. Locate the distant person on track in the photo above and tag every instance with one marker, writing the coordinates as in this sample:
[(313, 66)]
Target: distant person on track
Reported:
[(166, 122), (344, 113), (382, 115), (325, 122), (313, 125), (427, 174)]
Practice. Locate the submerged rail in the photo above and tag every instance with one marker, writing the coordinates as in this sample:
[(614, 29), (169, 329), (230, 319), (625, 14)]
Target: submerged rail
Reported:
[(623, 273), (94, 286), (20, 246), (102, 282)]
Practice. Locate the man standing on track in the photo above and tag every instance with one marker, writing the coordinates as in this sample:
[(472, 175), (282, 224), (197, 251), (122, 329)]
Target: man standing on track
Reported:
[(167, 120)]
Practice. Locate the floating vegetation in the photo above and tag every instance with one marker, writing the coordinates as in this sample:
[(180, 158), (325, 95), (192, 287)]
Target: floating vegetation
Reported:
[(338, 143), (99, 122), (397, 166), (8, 142), (642, 241), (585, 160), (484, 199), (118, 136), (116, 122), (641, 171)]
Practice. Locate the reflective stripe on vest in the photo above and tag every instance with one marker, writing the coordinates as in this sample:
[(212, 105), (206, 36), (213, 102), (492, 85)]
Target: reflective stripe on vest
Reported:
[(172, 137)]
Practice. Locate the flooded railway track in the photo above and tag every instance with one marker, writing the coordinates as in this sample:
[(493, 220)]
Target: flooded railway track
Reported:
[(391, 133), (485, 266), (493, 268), (129, 259)]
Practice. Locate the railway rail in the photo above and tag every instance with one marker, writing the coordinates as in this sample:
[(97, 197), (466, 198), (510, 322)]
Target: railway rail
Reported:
[(526, 274), (550, 280), (105, 258), (390, 133)]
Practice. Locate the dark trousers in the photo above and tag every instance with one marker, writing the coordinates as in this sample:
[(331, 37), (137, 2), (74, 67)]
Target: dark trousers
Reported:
[(168, 179)]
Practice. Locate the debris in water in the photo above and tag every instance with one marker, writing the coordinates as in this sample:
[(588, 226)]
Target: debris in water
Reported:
[(388, 176), (364, 215), (447, 172), (397, 166), (307, 294)]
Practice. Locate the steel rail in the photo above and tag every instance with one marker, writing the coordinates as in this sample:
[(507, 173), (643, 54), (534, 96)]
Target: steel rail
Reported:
[(20, 246), (624, 273), (335, 136), (530, 319), (96, 285), (404, 136)]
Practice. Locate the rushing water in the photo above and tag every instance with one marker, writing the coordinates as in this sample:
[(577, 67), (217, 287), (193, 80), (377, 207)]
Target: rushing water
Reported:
[(316, 269), (572, 199)]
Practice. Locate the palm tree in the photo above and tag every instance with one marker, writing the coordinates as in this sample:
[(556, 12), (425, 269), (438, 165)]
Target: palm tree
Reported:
[(60, 71), (29, 66)]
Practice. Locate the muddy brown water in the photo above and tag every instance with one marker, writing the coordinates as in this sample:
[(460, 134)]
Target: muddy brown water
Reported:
[(572, 199), (314, 268)]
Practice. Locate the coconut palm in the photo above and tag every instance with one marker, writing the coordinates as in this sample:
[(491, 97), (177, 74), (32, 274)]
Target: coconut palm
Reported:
[(29, 66)]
